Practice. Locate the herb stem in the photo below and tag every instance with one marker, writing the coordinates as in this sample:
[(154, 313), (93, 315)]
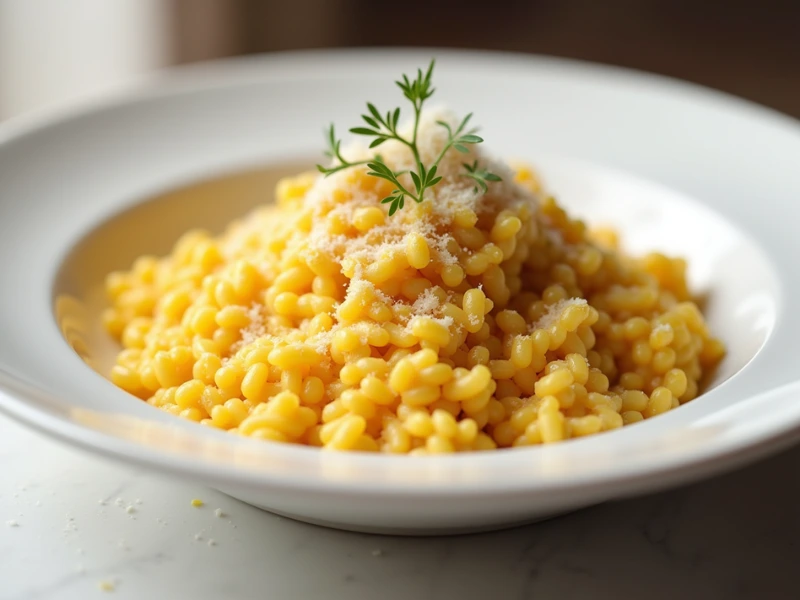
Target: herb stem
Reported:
[(447, 147), (346, 165), (414, 148)]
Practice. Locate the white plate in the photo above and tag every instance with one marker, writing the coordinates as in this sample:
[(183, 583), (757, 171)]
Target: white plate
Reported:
[(726, 196)]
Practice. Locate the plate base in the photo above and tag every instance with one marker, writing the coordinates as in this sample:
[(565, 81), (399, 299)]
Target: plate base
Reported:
[(403, 531)]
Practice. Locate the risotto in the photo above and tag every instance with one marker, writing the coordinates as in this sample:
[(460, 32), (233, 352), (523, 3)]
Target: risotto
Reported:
[(472, 320)]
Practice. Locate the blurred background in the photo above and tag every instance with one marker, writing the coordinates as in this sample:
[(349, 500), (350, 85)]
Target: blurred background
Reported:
[(57, 50)]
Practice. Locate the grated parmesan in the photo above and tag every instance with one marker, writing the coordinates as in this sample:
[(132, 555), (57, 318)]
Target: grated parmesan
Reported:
[(255, 330), (555, 311), (427, 303)]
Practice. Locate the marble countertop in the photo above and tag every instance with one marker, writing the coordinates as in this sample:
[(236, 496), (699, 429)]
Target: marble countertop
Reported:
[(75, 527)]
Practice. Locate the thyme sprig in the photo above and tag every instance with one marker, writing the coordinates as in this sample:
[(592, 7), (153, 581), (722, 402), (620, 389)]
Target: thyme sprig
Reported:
[(382, 128)]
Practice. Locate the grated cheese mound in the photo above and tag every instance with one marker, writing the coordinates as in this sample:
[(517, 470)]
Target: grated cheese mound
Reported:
[(340, 196)]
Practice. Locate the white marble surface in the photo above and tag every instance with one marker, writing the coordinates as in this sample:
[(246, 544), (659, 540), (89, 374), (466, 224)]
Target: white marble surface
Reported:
[(64, 533)]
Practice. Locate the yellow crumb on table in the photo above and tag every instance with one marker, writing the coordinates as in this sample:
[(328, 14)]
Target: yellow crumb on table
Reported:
[(197, 503), (467, 322)]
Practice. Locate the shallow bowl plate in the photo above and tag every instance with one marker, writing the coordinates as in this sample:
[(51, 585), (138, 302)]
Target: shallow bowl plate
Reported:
[(675, 167)]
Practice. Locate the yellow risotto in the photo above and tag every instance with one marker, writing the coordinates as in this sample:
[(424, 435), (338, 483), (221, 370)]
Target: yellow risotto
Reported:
[(469, 321)]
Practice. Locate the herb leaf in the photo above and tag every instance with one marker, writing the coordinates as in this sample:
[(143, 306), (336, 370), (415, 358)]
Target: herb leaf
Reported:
[(480, 176)]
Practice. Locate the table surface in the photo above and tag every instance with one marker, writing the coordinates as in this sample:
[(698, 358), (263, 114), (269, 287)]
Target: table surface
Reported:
[(76, 527)]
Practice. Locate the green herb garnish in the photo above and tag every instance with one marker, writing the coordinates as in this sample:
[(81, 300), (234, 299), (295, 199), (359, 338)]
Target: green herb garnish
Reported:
[(384, 127)]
